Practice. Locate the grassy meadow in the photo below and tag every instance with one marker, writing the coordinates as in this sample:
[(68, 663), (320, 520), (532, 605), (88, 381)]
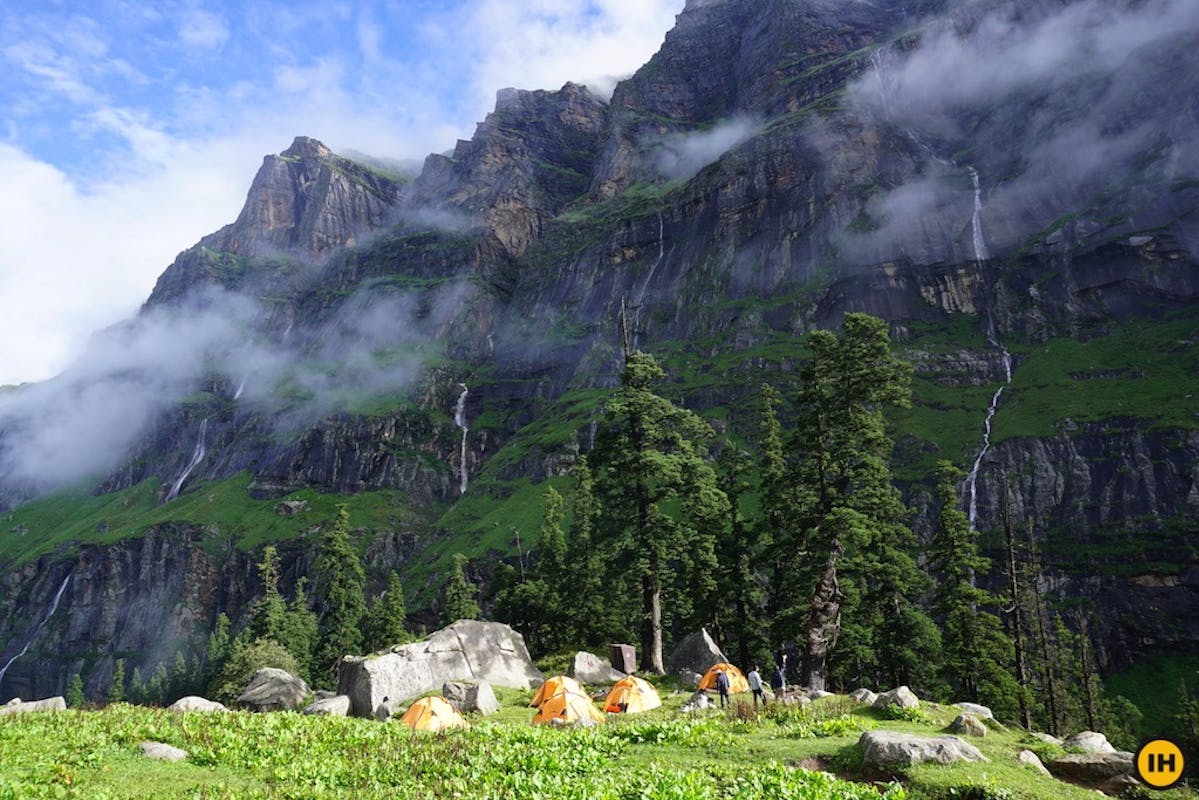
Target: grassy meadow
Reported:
[(787, 752)]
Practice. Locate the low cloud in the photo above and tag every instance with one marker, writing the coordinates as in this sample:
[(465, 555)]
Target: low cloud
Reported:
[(682, 155)]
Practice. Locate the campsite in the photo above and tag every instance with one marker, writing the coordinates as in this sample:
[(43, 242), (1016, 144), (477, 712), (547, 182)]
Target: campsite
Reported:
[(810, 750)]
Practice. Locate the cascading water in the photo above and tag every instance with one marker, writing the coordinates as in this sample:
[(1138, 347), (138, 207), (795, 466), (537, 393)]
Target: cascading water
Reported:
[(197, 457), (241, 387), (649, 276), (876, 61), (976, 221), (460, 421), (53, 607), (972, 478)]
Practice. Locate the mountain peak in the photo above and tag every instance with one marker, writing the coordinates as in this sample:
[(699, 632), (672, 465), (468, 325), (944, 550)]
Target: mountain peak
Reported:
[(307, 147)]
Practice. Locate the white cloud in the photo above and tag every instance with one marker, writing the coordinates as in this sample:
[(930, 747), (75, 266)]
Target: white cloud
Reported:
[(199, 28)]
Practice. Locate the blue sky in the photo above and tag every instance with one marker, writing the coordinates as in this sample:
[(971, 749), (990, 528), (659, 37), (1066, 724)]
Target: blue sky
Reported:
[(128, 130)]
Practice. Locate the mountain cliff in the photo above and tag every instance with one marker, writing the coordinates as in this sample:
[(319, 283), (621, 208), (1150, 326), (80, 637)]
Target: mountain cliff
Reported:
[(432, 350)]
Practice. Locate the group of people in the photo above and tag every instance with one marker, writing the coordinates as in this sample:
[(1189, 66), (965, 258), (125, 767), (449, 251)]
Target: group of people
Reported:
[(778, 682)]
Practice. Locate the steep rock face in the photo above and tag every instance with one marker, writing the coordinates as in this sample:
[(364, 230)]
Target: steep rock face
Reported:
[(142, 599), (530, 157), (304, 202)]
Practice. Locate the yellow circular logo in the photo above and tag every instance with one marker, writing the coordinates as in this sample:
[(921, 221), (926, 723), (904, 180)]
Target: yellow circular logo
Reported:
[(1159, 763)]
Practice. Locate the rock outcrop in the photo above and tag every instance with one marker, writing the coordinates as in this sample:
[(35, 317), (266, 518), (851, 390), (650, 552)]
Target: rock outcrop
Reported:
[(475, 698), (468, 650), (697, 653), (194, 703), (336, 706), (901, 696), (968, 725), (17, 706), (1089, 742), (160, 751), (274, 689), (1092, 768), (589, 668), (882, 749)]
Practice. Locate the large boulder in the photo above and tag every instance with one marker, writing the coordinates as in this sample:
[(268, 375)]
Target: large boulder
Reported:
[(468, 650), (900, 696), (471, 697), (274, 689), (1030, 759), (982, 712), (336, 706), (160, 751), (697, 653), (1089, 742), (25, 706), (881, 749), (195, 703), (968, 724), (1092, 768), (689, 678), (590, 668), (864, 695), (623, 658)]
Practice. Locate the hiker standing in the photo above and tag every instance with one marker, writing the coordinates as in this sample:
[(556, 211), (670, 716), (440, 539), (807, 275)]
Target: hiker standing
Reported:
[(778, 681), (755, 686), (722, 686)]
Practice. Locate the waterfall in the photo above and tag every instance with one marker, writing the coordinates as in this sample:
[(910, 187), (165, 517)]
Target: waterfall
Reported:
[(972, 478), (241, 386), (287, 330), (197, 457), (976, 224), (53, 607), (460, 421), (491, 343), (876, 61), (649, 276)]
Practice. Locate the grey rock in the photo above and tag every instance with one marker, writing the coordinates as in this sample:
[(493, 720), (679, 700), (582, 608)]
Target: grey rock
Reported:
[(793, 697), (817, 694), (1089, 742), (697, 653), (1091, 768), (195, 703), (885, 748), (623, 658), (590, 668), (336, 706), (968, 724), (160, 751), (900, 696), (982, 712), (471, 697), (697, 702), (689, 678), (468, 650), (289, 508), (1047, 738), (864, 695), (274, 689), (1118, 785), (24, 707), (1031, 759)]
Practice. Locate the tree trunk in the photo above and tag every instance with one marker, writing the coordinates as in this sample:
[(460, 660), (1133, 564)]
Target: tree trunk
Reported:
[(823, 624), (651, 626)]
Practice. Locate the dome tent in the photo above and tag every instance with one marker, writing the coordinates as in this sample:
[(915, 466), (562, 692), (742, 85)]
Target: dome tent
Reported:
[(568, 708), (737, 681), (552, 686), (631, 695), (432, 714)]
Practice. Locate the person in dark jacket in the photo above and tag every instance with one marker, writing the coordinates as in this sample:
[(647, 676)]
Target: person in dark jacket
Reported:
[(778, 681), (722, 686)]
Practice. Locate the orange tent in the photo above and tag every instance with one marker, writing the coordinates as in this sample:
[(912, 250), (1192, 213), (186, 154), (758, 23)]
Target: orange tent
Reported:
[(553, 686), (631, 695), (432, 714), (568, 708), (737, 682)]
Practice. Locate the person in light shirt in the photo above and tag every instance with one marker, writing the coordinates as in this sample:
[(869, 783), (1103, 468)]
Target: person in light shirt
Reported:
[(755, 686)]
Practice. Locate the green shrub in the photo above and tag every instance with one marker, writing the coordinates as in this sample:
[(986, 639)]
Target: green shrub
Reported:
[(244, 661)]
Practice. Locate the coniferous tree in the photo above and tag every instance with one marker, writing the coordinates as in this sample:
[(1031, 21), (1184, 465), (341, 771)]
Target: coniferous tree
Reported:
[(975, 651), (460, 596), (533, 603), (342, 585), (137, 687), (297, 630), (777, 503), (74, 693), (179, 682), (738, 552), (215, 652), (650, 455), (116, 690), (156, 687), (848, 584), (590, 620), (268, 612), (388, 615)]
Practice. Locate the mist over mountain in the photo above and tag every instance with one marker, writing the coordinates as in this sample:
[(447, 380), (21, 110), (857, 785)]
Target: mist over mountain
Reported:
[(1013, 186)]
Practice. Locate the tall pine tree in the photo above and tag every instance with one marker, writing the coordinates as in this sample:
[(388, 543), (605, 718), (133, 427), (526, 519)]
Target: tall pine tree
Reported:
[(660, 499), (341, 588), (388, 616), (739, 591), (460, 597), (976, 654)]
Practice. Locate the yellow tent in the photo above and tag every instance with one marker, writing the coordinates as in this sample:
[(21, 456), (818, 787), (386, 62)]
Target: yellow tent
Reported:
[(737, 682), (568, 708), (432, 714), (631, 695), (553, 686)]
